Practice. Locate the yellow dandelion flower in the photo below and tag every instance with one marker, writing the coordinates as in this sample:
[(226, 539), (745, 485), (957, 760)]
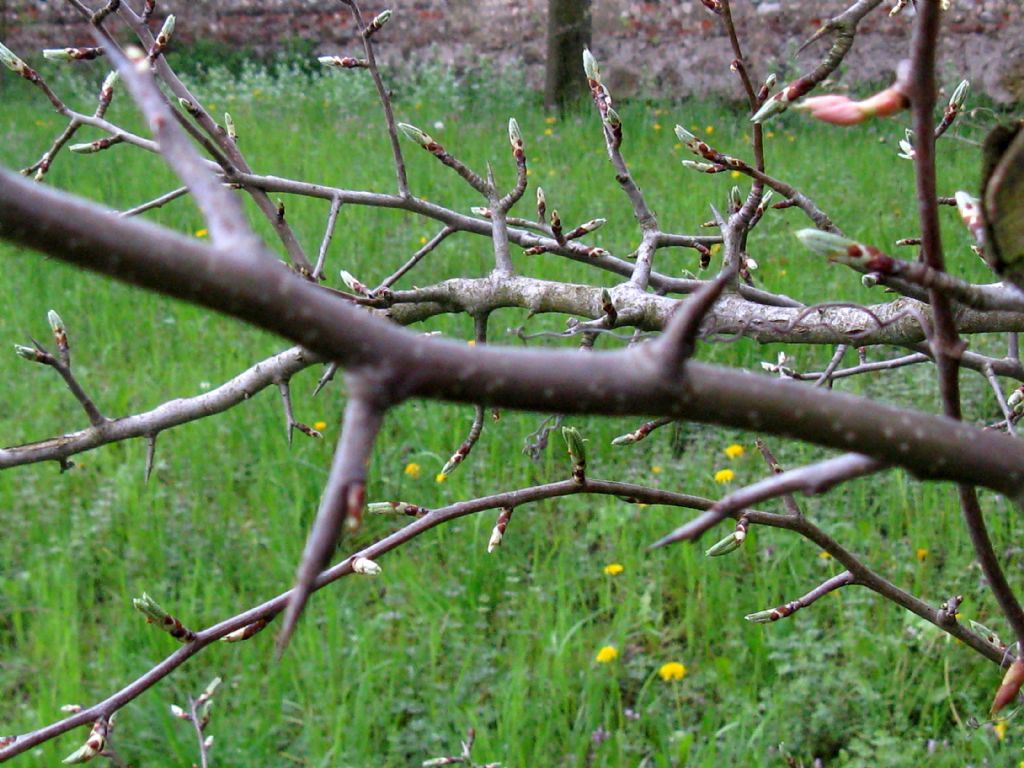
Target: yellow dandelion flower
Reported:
[(715, 248), (549, 132), (672, 671), (656, 469), (440, 477), (550, 119), (1000, 729), (413, 470), (709, 130), (607, 654), (724, 475), (319, 426), (824, 555), (202, 232), (423, 239), (471, 343), (657, 126), (921, 554), (734, 174), (734, 451), (614, 569), (677, 145), (770, 135)]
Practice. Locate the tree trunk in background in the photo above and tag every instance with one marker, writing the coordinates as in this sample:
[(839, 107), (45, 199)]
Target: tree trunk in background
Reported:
[(568, 34)]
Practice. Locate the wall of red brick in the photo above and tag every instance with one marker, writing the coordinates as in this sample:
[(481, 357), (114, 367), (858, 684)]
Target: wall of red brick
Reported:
[(658, 47)]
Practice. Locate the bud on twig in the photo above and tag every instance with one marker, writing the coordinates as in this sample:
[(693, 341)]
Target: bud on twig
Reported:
[(379, 21), (72, 54), (514, 136), (164, 37), (229, 126), (365, 566), (574, 442), (498, 533), (693, 165), (13, 63), (246, 632), (156, 615), (27, 353), (415, 134), (542, 205), (353, 284), (590, 66), (585, 228), (730, 543), (396, 508), (956, 101), (93, 745), (343, 62)]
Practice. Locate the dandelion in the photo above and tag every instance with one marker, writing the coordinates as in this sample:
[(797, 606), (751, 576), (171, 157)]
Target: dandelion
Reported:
[(824, 555), (413, 470), (734, 451), (677, 145), (549, 132), (734, 174), (921, 554), (202, 232), (724, 475), (709, 130), (673, 670), (440, 477), (607, 654), (715, 248), (656, 469), (770, 135), (1000, 729), (319, 426), (550, 119), (614, 569), (657, 126), (423, 239)]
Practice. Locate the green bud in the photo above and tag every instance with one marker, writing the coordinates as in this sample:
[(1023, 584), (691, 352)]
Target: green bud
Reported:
[(613, 119), (58, 54), (769, 82), (956, 101), (484, 213), (684, 135), (166, 31), (735, 199), (590, 66), (111, 80), (574, 442), (777, 104), (56, 324), (150, 608), (870, 280), (229, 125), (514, 136), (625, 439), (762, 617), (823, 243), (365, 566), (420, 137), (693, 165), (28, 353), (12, 62), (541, 199), (84, 149), (730, 543)]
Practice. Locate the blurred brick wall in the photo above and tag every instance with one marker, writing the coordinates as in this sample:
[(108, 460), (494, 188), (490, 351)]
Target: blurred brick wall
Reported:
[(657, 47)]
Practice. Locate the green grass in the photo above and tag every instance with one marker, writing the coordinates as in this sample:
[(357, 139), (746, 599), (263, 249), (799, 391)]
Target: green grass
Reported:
[(391, 671)]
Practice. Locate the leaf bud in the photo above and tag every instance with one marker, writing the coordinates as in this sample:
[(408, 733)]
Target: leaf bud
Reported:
[(365, 566)]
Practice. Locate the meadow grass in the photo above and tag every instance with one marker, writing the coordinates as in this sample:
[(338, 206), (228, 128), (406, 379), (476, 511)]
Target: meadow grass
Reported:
[(393, 670)]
